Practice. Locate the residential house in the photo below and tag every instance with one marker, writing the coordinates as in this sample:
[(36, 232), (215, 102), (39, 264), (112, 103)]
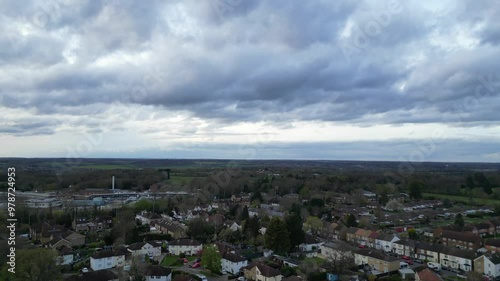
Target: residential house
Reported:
[(351, 235), (483, 229), (44, 231), (461, 240), (58, 242), (372, 239), (233, 263), (141, 249), (427, 275), (93, 224), (428, 232), (67, 238), (496, 224), (428, 252), (147, 217), (189, 247), (376, 260), (405, 247), (310, 244), (457, 259), (107, 259), (488, 264), (362, 236), (492, 245), (253, 212), (336, 251), (173, 228), (262, 272), (158, 273), (233, 225), (75, 239), (64, 256), (331, 230), (102, 275), (217, 220), (385, 242)]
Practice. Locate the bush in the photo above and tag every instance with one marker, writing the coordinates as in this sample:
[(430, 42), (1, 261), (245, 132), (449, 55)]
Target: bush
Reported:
[(155, 236), (317, 276), (182, 255), (99, 244)]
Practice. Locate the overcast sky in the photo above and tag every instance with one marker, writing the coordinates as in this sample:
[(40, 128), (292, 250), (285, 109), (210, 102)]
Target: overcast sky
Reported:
[(361, 80)]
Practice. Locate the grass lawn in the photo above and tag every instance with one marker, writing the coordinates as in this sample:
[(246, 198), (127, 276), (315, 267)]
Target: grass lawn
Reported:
[(316, 260), (172, 260)]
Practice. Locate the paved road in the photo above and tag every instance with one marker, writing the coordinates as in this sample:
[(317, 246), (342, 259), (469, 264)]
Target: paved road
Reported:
[(187, 269), (444, 273)]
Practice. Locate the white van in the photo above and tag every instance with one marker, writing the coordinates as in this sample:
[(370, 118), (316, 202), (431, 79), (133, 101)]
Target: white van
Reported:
[(403, 265)]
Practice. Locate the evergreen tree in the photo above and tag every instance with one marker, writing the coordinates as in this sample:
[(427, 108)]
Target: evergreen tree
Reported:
[(350, 221), (459, 220), (415, 191), (244, 214), (469, 182), (294, 227), (277, 237)]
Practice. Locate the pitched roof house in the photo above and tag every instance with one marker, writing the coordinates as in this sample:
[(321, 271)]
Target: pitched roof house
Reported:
[(427, 275)]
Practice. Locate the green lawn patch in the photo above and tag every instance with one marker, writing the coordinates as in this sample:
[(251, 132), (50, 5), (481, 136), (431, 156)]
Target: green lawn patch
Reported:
[(174, 261), (316, 260)]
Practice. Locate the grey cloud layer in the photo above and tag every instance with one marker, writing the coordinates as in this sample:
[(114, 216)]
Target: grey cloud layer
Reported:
[(254, 60)]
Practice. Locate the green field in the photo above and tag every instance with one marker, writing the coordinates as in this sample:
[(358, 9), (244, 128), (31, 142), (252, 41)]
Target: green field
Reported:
[(484, 201)]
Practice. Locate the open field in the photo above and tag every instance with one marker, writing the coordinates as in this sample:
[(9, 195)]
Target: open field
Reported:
[(483, 201)]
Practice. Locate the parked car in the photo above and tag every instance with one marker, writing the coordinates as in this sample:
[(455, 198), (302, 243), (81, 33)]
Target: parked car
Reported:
[(85, 270), (184, 260), (434, 266), (362, 246), (196, 265), (224, 272), (418, 261), (410, 262), (241, 278), (202, 277)]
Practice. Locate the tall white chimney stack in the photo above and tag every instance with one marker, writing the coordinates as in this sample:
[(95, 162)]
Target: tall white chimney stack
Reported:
[(113, 183)]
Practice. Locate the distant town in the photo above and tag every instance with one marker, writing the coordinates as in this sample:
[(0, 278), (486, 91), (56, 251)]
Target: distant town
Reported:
[(258, 221)]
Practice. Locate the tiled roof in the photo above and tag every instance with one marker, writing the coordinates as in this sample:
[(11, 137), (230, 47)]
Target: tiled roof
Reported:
[(493, 242), (233, 257), (156, 270), (428, 275), (268, 271), (461, 236), (376, 255), (184, 242), (452, 251)]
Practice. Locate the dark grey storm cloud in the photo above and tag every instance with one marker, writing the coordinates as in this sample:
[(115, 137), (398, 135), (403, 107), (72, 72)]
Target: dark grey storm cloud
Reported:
[(406, 62)]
